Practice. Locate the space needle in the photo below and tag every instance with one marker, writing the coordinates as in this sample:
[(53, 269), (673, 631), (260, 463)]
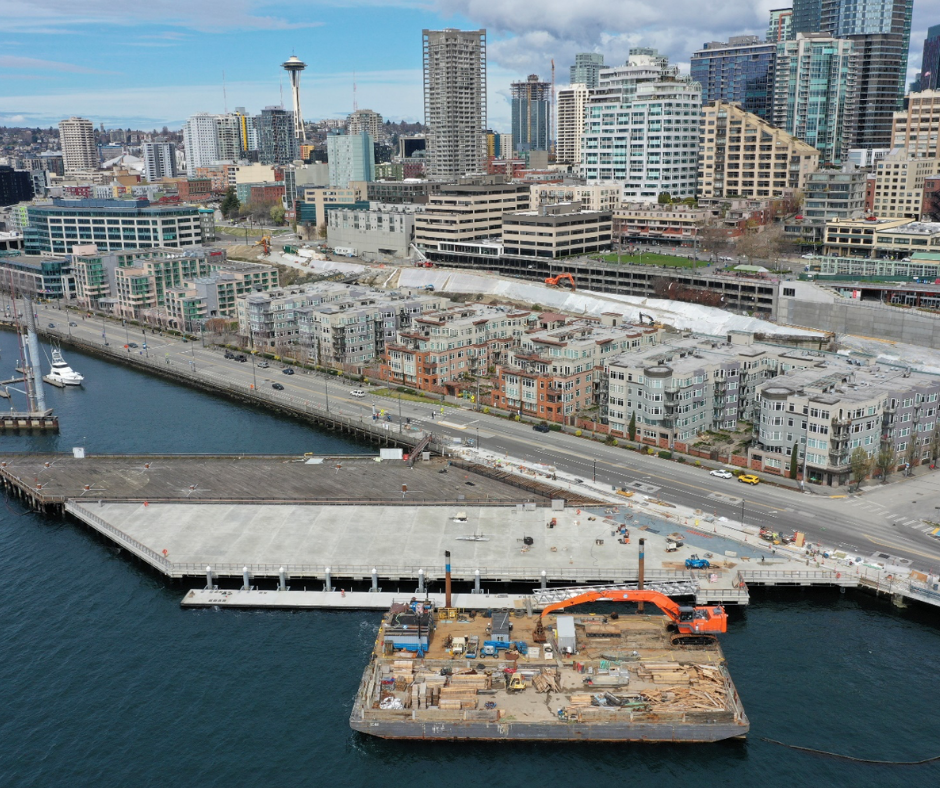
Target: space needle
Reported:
[(293, 66)]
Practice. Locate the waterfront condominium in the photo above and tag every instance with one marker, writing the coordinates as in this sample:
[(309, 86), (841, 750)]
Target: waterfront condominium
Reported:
[(815, 93), (531, 114), (881, 33), (454, 101), (742, 155), (641, 128), (77, 139), (739, 70)]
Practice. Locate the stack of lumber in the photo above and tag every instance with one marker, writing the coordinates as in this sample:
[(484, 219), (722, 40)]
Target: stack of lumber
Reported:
[(545, 682), (686, 699), (476, 681), (664, 673), (580, 700), (602, 631)]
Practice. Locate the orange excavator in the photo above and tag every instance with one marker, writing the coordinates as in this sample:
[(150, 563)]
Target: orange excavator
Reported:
[(696, 626), (554, 280)]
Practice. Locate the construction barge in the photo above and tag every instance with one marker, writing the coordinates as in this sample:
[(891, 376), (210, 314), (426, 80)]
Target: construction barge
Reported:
[(508, 676)]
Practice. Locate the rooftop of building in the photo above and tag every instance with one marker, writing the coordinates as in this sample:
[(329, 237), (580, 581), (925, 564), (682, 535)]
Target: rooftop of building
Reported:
[(688, 353), (840, 381), (583, 331), (915, 228)]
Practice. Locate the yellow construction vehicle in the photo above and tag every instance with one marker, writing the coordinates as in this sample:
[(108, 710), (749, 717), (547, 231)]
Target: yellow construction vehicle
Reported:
[(265, 243), (515, 683)]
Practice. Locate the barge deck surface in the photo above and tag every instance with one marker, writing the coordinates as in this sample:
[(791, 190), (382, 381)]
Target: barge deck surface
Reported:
[(668, 693)]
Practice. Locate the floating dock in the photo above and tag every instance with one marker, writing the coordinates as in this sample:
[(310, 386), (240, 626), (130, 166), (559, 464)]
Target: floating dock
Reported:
[(623, 681), (28, 422)]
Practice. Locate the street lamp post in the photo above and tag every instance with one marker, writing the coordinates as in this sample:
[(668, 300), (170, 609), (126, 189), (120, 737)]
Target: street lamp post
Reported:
[(594, 474), (742, 512), (254, 379), (326, 389)]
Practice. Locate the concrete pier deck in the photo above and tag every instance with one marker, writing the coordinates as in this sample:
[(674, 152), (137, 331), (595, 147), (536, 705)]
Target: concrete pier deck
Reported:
[(293, 599), (48, 481), (390, 547)]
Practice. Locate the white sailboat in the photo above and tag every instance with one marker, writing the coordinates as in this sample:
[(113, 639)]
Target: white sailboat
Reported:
[(62, 373)]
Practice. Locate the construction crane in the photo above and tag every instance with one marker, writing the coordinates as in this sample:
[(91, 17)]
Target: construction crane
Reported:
[(696, 625), (265, 243), (555, 280)]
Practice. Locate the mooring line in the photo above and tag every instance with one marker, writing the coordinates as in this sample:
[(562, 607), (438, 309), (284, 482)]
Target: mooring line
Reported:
[(850, 757)]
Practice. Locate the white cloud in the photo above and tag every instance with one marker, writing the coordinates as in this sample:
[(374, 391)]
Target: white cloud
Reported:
[(32, 63), (31, 16), (396, 94)]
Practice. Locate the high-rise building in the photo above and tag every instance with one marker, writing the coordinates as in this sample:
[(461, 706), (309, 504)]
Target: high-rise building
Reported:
[(15, 186), (498, 146), (248, 134), (531, 114), (368, 121), (781, 25), (293, 66), (351, 157), (815, 93), (210, 139), (641, 128), (916, 128), (159, 160), (881, 32), (899, 184), (807, 16), (741, 70), (277, 143), (779, 162), (586, 69), (79, 152), (929, 77), (571, 105), (454, 101)]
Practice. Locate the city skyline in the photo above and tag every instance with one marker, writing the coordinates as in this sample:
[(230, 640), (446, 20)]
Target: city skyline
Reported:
[(51, 63)]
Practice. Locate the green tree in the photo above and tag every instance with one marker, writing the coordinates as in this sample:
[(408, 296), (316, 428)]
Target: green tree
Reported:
[(665, 198), (277, 214), (631, 430), (935, 445), (860, 465), (794, 461), (230, 203), (886, 460)]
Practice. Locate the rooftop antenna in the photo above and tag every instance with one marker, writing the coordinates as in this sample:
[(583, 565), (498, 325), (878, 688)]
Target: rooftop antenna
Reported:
[(224, 94), (282, 93)]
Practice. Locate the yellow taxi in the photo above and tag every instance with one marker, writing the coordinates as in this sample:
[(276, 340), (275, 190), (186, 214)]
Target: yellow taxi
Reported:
[(748, 479)]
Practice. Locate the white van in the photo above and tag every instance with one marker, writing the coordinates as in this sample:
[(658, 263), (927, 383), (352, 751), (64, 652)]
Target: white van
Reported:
[(357, 393)]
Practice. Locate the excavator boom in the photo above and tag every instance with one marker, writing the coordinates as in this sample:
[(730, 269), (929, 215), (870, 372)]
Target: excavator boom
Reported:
[(688, 620)]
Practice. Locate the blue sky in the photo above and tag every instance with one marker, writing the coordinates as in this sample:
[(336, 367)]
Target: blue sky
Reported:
[(154, 63)]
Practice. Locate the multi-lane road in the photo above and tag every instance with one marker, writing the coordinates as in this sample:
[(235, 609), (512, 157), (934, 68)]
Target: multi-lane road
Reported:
[(892, 518)]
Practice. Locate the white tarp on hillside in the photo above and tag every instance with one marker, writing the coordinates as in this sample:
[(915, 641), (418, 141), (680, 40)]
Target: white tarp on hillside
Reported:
[(692, 317)]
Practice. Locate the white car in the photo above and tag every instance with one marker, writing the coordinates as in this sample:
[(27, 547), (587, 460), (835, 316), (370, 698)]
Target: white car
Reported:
[(721, 474), (357, 393)]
